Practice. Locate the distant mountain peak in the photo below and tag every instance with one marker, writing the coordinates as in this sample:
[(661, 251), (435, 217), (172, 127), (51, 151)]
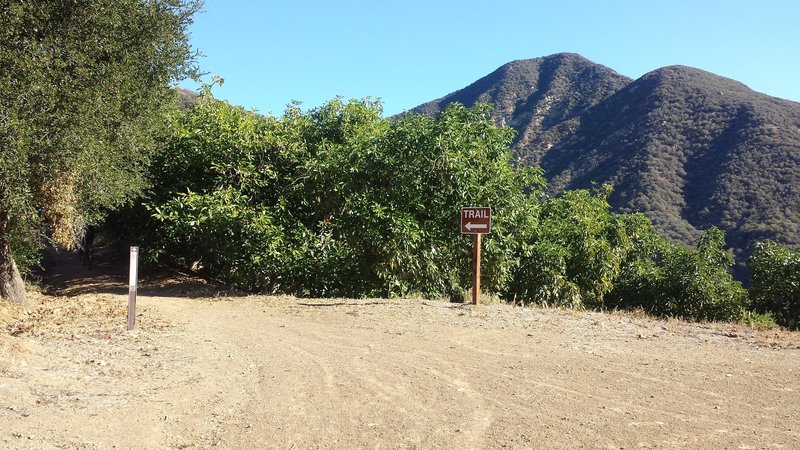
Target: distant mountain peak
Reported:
[(689, 148), (534, 95), (525, 77), (562, 58)]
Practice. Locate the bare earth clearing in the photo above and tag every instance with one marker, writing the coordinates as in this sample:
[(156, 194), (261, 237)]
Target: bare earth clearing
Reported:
[(279, 372)]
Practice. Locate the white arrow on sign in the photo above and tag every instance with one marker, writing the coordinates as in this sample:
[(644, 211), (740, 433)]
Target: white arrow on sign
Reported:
[(475, 226)]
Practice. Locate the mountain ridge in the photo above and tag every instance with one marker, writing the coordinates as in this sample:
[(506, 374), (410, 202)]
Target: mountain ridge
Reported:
[(689, 148)]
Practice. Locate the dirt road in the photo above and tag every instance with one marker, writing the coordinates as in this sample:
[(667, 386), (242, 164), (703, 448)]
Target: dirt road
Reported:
[(280, 372)]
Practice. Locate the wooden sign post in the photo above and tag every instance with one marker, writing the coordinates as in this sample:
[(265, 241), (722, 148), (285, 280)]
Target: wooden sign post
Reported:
[(134, 274), (476, 269), (476, 221)]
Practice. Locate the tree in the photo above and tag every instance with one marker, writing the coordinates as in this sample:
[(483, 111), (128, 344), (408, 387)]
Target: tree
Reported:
[(574, 253), (338, 201), (82, 85), (667, 279), (775, 282)]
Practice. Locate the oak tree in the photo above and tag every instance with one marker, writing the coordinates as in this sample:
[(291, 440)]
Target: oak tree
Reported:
[(83, 83)]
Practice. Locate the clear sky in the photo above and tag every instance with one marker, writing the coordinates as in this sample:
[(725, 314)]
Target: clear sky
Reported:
[(407, 52)]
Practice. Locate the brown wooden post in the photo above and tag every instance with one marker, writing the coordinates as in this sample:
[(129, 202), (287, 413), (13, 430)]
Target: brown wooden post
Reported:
[(476, 269), (476, 221)]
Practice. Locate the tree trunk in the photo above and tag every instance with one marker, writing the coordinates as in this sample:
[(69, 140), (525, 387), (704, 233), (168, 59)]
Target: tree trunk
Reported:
[(11, 285)]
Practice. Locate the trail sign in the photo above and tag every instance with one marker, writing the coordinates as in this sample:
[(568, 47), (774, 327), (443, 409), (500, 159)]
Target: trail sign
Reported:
[(476, 220)]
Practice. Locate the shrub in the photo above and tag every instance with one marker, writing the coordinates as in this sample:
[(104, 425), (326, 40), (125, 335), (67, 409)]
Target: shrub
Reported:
[(667, 279), (775, 282), (575, 252), (337, 200)]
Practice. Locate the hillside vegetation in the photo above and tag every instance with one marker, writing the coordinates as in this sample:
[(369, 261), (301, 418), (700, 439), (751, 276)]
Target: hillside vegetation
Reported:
[(688, 148), (338, 201)]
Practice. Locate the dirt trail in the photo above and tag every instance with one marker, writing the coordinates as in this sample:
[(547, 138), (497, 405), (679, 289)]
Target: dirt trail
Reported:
[(280, 372)]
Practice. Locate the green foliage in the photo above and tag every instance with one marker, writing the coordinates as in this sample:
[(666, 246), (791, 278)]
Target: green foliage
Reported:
[(575, 253), (338, 201), (775, 282), (409, 187), (584, 256), (667, 279), (83, 84), (762, 321)]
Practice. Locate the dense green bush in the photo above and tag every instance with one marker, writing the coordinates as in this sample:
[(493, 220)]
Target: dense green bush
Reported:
[(775, 282), (574, 253), (338, 201), (230, 201), (667, 279), (582, 255)]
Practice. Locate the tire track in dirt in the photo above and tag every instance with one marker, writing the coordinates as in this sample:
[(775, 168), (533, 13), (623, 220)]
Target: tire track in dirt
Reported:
[(264, 372), (402, 374)]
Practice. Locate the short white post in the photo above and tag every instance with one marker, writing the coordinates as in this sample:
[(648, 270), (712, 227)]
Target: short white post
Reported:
[(134, 273)]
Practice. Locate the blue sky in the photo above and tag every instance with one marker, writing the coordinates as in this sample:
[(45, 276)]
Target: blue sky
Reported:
[(407, 52)]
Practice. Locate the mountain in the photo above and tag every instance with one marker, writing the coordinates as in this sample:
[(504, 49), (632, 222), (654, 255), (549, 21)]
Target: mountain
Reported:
[(186, 98), (689, 148), (541, 98)]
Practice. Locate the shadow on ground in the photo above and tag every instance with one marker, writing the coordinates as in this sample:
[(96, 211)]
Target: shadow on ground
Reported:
[(64, 275)]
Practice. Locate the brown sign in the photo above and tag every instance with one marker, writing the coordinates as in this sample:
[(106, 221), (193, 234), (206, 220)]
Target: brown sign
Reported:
[(476, 220)]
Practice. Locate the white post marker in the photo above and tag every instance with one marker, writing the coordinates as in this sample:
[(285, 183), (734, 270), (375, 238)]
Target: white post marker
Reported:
[(134, 273)]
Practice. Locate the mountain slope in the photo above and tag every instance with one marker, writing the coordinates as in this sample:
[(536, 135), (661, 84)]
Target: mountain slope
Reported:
[(691, 150), (688, 148), (541, 98)]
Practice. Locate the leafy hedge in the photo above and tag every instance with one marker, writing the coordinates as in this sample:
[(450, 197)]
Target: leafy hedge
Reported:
[(775, 282), (667, 279), (338, 201)]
